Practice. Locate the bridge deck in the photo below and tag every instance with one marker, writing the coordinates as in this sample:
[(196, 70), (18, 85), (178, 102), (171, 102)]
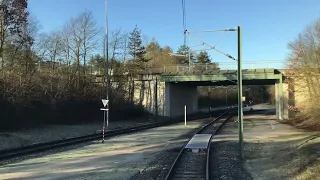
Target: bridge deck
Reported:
[(222, 75), (220, 72)]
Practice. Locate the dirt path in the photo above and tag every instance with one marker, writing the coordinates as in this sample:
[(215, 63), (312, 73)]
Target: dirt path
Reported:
[(278, 151)]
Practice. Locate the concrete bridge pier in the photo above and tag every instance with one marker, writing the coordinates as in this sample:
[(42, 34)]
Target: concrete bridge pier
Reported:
[(177, 95), (279, 93)]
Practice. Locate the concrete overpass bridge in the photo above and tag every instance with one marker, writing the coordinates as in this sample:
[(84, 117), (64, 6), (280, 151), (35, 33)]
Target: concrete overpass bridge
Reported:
[(181, 87), (167, 90)]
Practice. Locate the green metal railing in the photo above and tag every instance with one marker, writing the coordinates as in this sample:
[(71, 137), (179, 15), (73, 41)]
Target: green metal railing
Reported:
[(205, 67)]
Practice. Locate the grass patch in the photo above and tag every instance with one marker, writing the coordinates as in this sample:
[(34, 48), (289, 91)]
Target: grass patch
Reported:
[(285, 157), (309, 150), (311, 173), (304, 121)]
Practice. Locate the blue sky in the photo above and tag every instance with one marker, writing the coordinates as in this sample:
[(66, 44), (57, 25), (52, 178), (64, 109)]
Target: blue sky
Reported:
[(267, 26)]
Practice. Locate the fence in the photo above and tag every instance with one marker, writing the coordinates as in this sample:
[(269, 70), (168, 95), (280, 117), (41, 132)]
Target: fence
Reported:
[(206, 67), (222, 66)]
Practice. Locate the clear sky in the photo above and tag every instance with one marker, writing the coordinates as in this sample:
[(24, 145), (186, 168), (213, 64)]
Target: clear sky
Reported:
[(267, 26)]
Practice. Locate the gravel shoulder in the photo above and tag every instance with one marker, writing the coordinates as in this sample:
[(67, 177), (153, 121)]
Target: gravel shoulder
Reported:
[(224, 157), (118, 158), (47, 133)]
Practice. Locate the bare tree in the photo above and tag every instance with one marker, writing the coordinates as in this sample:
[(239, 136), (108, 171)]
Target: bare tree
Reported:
[(90, 32), (82, 40), (51, 47), (115, 43), (73, 28), (40, 48), (304, 61)]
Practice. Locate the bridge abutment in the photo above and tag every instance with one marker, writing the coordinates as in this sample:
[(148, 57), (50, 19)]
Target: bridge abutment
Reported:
[(279, 93), (179, 95)]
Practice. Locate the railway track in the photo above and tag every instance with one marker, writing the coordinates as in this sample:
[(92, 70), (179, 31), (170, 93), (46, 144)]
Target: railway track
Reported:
[(195, 165), (40, 147)]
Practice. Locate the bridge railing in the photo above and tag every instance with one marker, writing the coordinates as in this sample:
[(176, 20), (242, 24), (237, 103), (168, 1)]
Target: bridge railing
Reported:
[(222, 66), (208, 67)]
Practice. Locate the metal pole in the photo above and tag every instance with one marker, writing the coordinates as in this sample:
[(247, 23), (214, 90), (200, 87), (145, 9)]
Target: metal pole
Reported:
[(240, 110), (262, 96), (226, 97), (107, 62), (189, 54), (185, 115), (189, 60), (104, 122), (156, 98), (106, 115)]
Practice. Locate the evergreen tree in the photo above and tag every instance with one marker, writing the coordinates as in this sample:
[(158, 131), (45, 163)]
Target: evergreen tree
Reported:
[(203, 58), (183, 49), (153, 47), (136, 49), (153, 51)]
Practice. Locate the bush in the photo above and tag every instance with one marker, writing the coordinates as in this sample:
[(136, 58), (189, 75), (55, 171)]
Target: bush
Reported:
[(33, 102)]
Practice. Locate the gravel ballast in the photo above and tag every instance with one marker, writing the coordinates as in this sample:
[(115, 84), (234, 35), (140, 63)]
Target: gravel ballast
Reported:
[(160, 166), (224, 157)]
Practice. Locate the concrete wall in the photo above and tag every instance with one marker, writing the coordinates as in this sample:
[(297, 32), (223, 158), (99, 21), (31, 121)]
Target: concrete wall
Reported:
[(177, 96), (280, 93), (169, 98), (285, 101), (148, 92), (302, 96), (305, 93), (294, 93)]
